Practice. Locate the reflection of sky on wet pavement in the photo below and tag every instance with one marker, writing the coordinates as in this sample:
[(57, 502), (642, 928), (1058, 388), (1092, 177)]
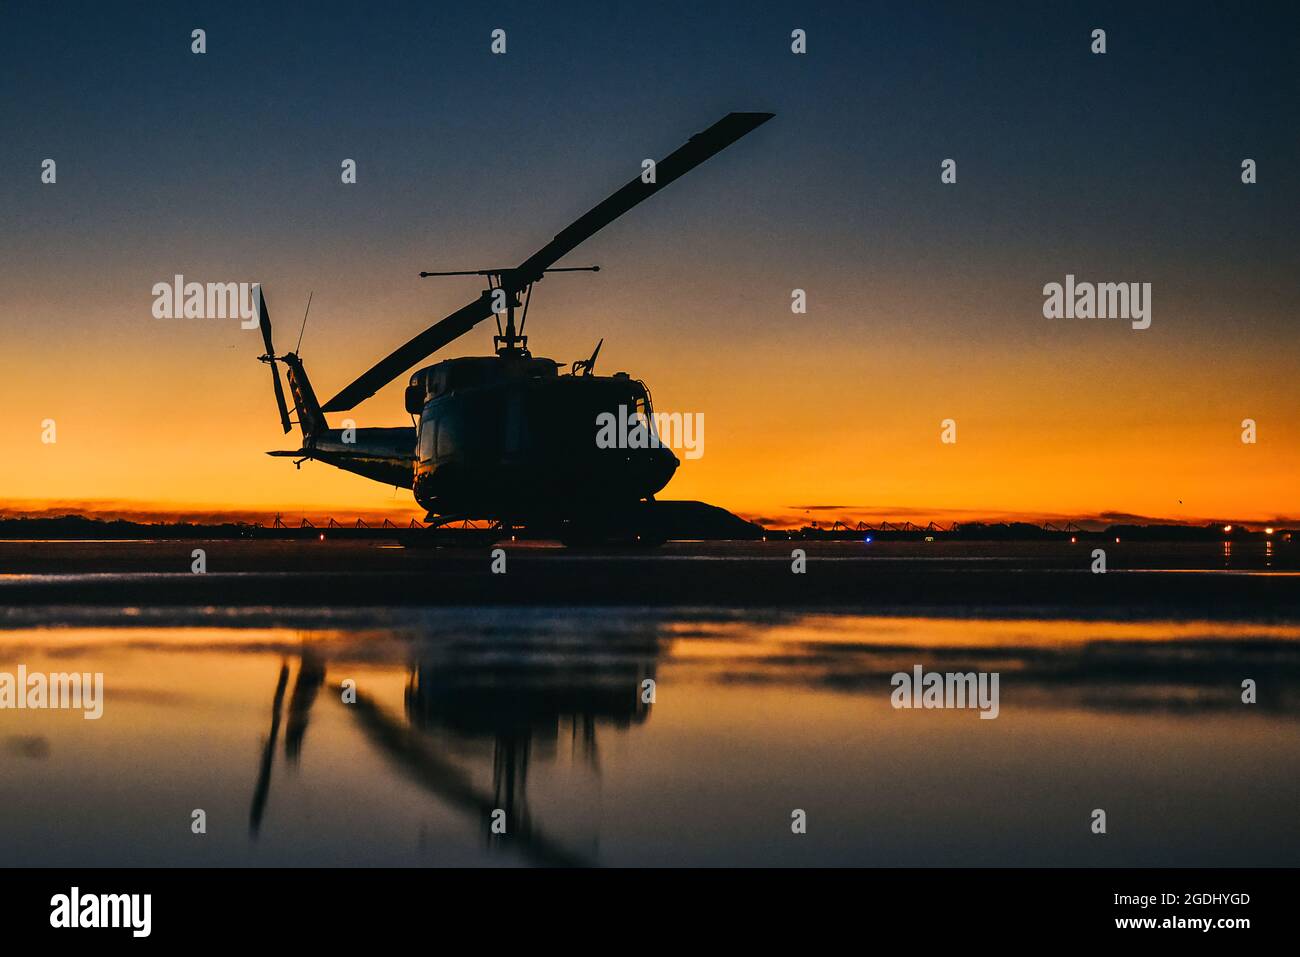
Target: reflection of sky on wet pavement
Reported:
[(538, 712)]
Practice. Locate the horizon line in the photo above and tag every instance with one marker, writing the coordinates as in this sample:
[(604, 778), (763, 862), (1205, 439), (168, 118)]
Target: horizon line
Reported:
[(253, 516)]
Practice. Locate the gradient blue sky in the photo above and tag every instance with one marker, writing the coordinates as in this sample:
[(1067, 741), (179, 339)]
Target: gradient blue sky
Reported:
[(925, 299)]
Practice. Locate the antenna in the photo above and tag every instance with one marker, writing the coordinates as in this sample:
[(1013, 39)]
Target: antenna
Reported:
[(304, 322)]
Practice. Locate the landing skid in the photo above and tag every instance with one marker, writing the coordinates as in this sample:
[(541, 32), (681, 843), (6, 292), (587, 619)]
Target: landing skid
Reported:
[(454, 531), (634, 527), (641, 525)]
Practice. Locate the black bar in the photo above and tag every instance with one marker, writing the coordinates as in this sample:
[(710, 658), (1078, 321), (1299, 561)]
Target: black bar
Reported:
[(925, 908)]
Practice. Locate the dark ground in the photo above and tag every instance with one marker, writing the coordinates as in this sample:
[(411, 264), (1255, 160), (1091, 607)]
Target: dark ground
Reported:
[(1252, 580)]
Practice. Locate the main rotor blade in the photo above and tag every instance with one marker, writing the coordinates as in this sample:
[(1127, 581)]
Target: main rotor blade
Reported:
[(431, 340), (697, 149), (681, 161)]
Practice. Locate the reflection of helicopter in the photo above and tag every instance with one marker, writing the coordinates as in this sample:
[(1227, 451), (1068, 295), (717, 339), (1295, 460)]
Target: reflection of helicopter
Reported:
[(458, 697), (506, 438)]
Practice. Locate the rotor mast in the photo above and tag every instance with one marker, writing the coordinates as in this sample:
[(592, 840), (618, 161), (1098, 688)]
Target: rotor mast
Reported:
[(509, 340)]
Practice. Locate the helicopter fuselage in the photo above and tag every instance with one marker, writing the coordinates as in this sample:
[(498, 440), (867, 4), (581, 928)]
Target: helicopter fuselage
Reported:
[(508, 437)]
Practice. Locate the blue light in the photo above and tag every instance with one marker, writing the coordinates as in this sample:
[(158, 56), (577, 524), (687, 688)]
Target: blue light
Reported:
[(868, 539)]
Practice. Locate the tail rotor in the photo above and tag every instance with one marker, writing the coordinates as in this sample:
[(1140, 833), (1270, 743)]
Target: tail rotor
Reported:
[(264, 322)]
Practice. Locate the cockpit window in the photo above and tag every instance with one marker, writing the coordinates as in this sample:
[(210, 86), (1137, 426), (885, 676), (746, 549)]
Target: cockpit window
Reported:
[(428, 431), (642, 400)]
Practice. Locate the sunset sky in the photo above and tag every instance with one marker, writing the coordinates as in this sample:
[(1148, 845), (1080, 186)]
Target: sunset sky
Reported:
[(924, 299)]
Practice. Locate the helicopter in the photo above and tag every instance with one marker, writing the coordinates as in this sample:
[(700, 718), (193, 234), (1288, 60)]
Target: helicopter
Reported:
[(508, 438)]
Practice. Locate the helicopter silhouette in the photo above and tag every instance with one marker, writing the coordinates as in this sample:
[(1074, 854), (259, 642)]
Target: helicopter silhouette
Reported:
[(507, 438)]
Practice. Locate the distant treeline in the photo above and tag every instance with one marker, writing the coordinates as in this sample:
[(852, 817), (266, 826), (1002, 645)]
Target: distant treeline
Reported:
[(80, 527), (1025, 531)]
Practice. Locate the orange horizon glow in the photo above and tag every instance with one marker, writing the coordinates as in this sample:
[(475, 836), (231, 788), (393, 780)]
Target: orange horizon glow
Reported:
[(847, 437), (1054, 423), (401, 515)]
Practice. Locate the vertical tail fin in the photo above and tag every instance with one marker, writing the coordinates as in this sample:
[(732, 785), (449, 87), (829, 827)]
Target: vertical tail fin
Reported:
[(310, 418)]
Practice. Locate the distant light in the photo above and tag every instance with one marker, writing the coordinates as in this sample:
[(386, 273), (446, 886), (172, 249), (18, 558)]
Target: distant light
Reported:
[(322, 536), (1268, 531), (1073, 539), (1116, 539), (1227, 529), (868, 539)]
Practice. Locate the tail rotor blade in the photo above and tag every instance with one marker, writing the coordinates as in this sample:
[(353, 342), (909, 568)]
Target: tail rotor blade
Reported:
[(264, 320), (279, 398)]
